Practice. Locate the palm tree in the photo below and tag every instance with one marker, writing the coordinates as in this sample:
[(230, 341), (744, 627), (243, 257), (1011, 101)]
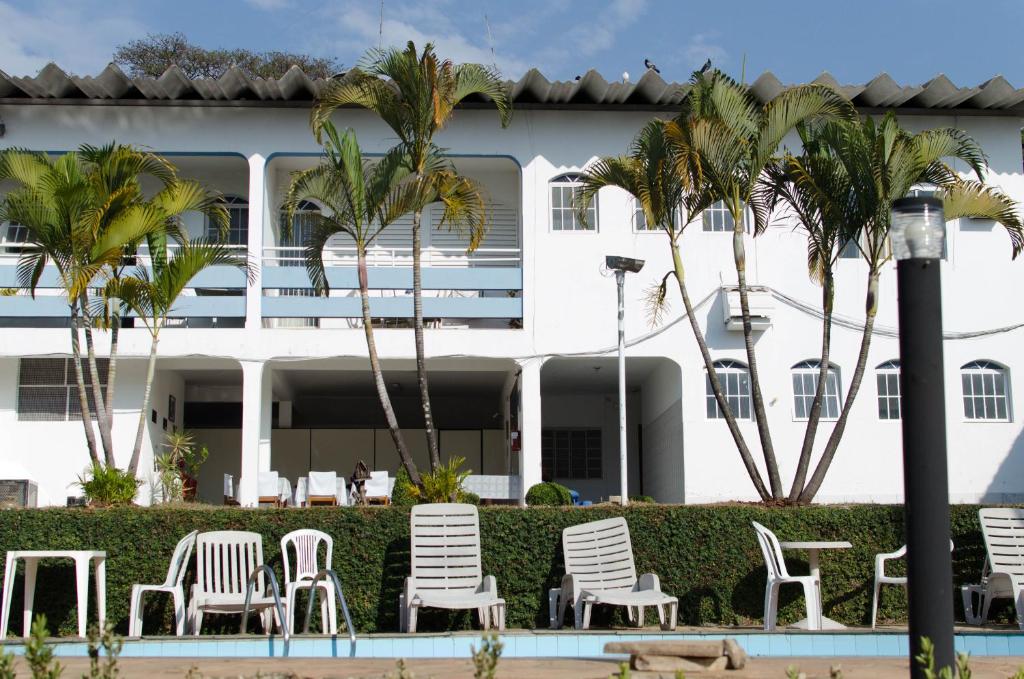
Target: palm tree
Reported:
[(361, 199), (416, 95), (152, 292), (82, 212), (671, 202), (724, 138), (844, 184)]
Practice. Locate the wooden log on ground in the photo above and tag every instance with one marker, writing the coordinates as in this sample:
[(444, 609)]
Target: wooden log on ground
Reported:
[(678, 649), (735, 653), (668, 663)]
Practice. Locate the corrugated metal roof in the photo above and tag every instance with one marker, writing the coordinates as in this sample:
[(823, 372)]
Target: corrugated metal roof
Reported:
[(533, 90)]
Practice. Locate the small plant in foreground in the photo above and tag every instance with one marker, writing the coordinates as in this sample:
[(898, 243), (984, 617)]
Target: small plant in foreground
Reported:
[(7, 666), (485, 660), (110, 644), (38, 655), (401, 671), (926, 659)]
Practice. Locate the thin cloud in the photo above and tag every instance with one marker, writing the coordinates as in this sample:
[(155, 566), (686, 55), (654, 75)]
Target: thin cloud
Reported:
[(269, 5), (61, 33)]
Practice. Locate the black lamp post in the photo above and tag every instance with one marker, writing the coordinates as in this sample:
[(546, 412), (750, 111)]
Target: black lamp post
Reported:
[(917, 235)]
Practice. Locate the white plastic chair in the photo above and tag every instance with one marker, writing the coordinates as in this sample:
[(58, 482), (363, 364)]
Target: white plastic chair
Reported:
[(269, 488), (171, 585), (446, 570), (599, 569), (882, 579), (377, 488), (1003, 573), (224, 561), (229, 490), (305, 543), (322, 489), (778, 576)]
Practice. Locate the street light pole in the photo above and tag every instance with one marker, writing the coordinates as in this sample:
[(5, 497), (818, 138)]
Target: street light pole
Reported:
[(917, 235), (622, 265)]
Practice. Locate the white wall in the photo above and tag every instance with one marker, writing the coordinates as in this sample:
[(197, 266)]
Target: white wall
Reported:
[(569, 303)]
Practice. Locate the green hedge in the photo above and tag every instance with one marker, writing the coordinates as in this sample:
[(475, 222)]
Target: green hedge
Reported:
[(705, 555)]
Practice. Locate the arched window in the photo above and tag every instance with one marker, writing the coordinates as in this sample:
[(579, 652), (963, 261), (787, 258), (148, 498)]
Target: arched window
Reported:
[(564, 191), (735, 380), (302, 229), (805, 384), (887, 377), (718, 218), (238, 222), (986, 386)]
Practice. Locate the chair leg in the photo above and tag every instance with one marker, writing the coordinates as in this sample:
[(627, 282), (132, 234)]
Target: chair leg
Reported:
[(631, 614), (403, 614), (291, 598), (587, 607), (332, 610), (577, 612), (874, 603), (640, 612), (673, 615), (986, 603), (485, 617), (770, 603), (411, 620), (661, 616), (135, 614), (499, 610), (554, 594), (197, 621), (1018, 604), (178, 597)]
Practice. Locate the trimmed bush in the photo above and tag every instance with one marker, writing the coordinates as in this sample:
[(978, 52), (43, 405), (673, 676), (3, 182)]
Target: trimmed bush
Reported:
[(548, 494), (401, 494), (705, 555)]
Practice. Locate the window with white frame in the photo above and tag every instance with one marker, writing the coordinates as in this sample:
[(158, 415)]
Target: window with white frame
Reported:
[(848, 249), (238, 222), (640, 219), (986, 387), (887, 377), (571, 453), (303, 221), (12, 234), (805, 384), (48, 389), (717, 217), (564, 193), (735, 380)]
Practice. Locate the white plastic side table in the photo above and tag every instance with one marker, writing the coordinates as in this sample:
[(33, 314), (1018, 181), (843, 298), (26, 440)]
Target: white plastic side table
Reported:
[(31, 559), (812, 561)]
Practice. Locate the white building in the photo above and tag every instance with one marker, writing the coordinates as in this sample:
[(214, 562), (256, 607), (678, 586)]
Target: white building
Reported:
[(270, 378)]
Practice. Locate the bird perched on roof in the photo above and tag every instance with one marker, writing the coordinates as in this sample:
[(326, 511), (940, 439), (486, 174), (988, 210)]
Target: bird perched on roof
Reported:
[(706, 66), (625, 76), (650, 66)]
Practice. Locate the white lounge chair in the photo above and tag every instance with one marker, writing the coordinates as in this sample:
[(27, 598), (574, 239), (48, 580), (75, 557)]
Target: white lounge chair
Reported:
[(269, 489), (599, 569), (171, 585), (1002, 576), (305, 544), (778, 576), (882, 579), (446, 570), (224, 561), (323, 489), (377, 488)]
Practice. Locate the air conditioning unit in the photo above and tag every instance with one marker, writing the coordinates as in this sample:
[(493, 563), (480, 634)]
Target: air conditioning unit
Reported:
[(18, 494), (761, 306)]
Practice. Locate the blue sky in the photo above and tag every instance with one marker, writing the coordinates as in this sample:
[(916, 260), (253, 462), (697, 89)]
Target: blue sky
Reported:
[(912, 40)]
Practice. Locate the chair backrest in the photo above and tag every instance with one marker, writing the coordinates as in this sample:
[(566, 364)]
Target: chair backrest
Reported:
[(1003, 530), (600, 554), (179, 560), (445, 540), (225, 559), (377, 485), (229, 485), (306, 544), (268, 484), (771, 551), (323, 483)]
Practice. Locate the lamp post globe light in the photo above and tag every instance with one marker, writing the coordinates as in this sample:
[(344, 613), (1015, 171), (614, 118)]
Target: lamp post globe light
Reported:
[(917, 234), (622, 265)]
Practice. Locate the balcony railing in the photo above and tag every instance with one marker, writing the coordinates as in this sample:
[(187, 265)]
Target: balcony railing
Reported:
[(398, 256)]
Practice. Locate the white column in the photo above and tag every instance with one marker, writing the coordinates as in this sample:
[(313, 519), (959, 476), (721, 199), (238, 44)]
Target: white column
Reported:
[(530, 424), (254, 382), (257, 210)]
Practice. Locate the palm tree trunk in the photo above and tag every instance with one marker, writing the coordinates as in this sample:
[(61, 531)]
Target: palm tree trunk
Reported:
[(814, 417), (378, 374), (871, 310), (421, 364), (102, 416), (760, 416), (115, 331), (133, 466), (716, 385), (83, 399)]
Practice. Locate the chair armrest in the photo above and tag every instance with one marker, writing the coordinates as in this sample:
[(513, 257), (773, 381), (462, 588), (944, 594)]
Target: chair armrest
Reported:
[(648, 582), (488, 584), (880, 559)]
